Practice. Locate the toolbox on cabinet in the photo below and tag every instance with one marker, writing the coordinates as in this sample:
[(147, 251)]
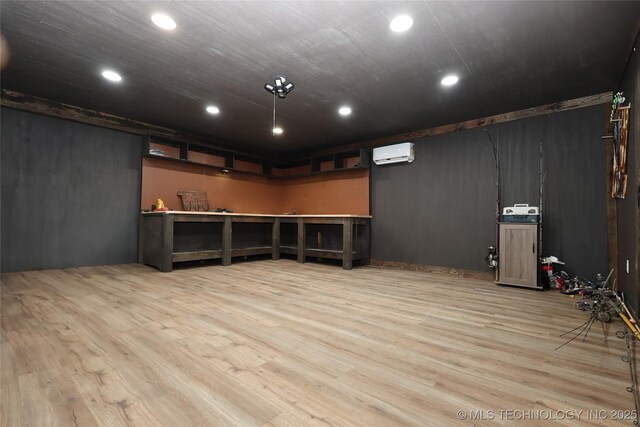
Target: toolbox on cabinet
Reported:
[(521, 213)]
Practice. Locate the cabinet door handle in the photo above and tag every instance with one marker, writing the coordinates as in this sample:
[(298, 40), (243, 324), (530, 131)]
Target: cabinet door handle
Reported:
[(533, 248)]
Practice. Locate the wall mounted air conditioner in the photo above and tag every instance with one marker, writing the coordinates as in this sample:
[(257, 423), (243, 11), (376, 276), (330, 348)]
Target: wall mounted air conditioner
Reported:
[(404, 152)]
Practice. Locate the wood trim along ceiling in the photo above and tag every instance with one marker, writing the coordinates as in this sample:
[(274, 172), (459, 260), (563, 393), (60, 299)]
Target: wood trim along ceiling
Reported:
[(34, 104), (571, 104)]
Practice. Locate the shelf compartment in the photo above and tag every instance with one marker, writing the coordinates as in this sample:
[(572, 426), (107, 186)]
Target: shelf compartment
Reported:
[(259, 250), (246, 165), (323, 236), (323, 253), (197, 237), (207, 159), (197, 255), (288, 234), (289, 250), (170, 151), (291, 171), (251, 238)]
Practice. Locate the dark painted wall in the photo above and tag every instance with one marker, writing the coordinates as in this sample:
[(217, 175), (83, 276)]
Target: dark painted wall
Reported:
[(627, 209), (70, 193), (439, 210)]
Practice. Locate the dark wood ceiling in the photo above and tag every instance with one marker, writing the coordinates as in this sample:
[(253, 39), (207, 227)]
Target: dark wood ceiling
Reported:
[(509, 56)]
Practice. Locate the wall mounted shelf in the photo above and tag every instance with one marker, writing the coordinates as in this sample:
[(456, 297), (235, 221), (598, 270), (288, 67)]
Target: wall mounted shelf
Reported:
[(202, 156)]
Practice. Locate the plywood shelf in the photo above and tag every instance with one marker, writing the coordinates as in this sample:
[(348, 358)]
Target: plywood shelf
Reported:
[(197, 255), (206, 165), (323, 253), (181, 152), (323, 172), (258, 250)]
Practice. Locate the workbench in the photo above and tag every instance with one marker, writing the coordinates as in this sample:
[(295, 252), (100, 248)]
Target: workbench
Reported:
[(177, 236)]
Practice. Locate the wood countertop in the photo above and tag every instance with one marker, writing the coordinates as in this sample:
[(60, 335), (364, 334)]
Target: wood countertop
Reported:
[(260, 215)]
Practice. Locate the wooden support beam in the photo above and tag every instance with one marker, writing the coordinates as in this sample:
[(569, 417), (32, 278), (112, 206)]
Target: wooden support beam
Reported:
[(347, 243), (587, 101), (166, 264), (302, 241), (34, 104), (20, 101), (275, 239), (226, 241)]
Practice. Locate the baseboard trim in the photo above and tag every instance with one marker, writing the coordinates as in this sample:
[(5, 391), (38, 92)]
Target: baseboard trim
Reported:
[(472, 274)]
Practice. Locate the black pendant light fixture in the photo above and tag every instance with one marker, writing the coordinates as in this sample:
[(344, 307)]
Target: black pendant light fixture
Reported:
[(279, 88)]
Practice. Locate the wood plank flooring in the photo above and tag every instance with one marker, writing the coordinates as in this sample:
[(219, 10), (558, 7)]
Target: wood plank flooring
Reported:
[(277, 343)]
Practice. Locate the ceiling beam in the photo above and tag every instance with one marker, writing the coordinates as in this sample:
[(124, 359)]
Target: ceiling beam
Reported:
[(20, 101), (34, 104), (586, 101)]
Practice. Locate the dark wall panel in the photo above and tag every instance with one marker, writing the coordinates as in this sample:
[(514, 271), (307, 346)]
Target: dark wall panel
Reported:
[(575, 194), (519, 148), (439, 210), (628, 209), (70, 193)]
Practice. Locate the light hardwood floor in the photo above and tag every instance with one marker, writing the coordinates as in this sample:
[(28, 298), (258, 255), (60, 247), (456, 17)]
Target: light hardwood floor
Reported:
[(278, 343)]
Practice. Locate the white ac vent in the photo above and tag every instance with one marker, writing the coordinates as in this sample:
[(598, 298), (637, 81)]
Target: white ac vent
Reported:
[(397, 153)]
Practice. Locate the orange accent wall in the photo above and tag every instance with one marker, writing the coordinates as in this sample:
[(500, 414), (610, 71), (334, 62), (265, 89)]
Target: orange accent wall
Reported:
[(345, 192), (238, 192)]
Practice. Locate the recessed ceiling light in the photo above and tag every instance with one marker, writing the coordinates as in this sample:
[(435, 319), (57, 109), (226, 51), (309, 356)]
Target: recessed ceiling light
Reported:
[(277, 130), (449, 80), (401, 23), (111, 76), (344, 111), (212, 109), (163, 21)]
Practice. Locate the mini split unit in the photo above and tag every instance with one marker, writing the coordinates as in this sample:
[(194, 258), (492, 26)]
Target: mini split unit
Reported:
[(397, 153)]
